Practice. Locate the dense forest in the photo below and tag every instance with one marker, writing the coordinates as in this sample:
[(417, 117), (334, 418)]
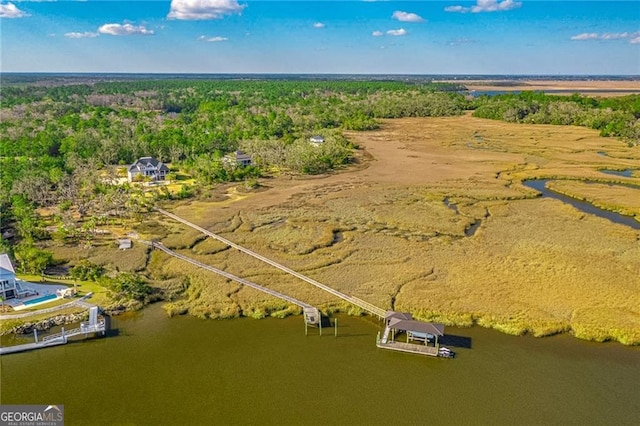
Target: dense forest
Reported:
[(612, 116), (58, 142)]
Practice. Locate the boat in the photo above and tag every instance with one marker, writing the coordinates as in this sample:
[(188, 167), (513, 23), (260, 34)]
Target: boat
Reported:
[(446, 352)]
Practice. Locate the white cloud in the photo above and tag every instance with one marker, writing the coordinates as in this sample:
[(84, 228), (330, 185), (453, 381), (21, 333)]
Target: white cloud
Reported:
[(585, 36), (398, 32), (215, 39), (318, 25), (85, 34), (406, 16), (124, 29), (486, 6), (634, 38), (377, 33), (199, 10), (614, 36), (456, 9), (10, 10)]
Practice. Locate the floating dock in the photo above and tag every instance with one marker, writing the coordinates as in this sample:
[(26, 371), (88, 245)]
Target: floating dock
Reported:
[(94, 326)]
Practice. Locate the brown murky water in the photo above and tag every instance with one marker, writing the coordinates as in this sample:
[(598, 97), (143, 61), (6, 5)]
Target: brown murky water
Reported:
[(188, 371)]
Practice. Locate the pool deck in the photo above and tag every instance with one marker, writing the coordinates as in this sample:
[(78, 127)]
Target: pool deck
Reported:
[(43, 290)]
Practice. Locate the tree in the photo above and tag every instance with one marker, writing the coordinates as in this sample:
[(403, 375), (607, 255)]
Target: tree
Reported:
[(86, 270), (5, 247), (129, 286), (31, 259)]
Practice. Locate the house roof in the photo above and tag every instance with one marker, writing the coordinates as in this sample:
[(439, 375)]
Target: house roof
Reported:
[(124, 244), (239, 155), (5, 263), (144, 162), (417, 326)]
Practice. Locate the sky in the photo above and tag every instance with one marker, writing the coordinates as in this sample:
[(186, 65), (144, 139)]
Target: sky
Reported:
[(529, 37)]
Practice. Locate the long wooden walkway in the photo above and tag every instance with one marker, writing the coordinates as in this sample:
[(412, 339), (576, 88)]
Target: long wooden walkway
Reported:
[(273, 293), (353, 300)]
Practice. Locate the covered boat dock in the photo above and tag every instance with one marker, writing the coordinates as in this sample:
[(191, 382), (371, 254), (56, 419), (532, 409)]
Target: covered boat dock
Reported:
[(425, 333)]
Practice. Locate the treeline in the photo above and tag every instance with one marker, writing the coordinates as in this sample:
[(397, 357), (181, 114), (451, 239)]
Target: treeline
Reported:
[(42, 128), (55, 141), (172, 120), (612, 116)]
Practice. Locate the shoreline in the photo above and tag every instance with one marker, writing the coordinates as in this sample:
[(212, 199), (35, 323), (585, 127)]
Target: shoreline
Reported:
[(258, 311), (375, 207)]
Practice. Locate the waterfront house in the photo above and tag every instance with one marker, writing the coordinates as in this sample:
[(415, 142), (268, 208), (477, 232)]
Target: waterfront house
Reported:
[(147, 167), (8, 286), (238, 159)]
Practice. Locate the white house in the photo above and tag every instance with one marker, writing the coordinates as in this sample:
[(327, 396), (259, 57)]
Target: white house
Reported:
[(147, 167), (316, 140), (238, 159), (8, 287)]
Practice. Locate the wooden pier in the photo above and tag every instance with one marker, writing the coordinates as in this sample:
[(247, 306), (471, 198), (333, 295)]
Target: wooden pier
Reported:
[(366, 306), (311, 313), (409, 347), (416, 330), (94, 326)]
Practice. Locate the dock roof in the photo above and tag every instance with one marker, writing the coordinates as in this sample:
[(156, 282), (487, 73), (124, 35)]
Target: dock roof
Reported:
[(398, 315), (417, 326)]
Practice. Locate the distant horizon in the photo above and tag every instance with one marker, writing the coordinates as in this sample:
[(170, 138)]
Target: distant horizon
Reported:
[(320, 74), (454, 37)]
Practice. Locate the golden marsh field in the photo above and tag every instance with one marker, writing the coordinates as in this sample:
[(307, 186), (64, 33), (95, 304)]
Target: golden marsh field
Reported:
[(432, 218)]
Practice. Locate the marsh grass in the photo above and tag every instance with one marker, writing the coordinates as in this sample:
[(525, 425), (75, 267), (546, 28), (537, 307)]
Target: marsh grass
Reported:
[(621, 199), (384, 234), (533, 263)]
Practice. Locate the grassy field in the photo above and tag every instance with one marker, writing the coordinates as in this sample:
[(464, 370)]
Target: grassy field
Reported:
[(394, 231)]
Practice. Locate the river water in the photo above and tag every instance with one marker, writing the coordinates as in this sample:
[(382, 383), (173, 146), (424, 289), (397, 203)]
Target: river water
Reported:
[(540, 185), (156, 370)]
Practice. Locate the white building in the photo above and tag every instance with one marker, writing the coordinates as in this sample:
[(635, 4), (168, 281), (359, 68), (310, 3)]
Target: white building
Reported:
[(147, 167), (316, 140), (8, 287), (238, 159)]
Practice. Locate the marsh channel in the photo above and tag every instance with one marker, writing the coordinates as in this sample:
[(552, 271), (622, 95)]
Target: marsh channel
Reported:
[(156, 370), (540, 185)]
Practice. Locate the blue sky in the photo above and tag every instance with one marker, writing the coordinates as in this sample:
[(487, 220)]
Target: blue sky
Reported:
[(413, 37)]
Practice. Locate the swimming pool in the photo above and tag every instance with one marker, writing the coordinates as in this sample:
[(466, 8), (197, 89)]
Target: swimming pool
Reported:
[(40, 299)]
